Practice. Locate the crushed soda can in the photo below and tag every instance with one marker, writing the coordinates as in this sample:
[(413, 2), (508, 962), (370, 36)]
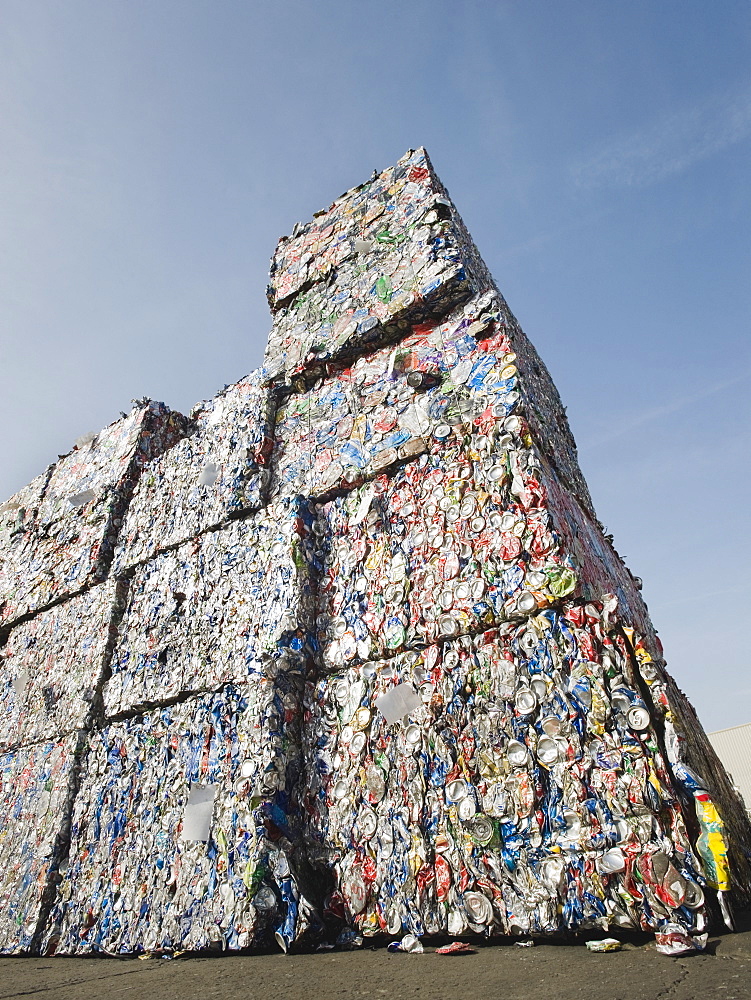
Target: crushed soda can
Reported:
[(672, 939), (604, 944), (387, 252), (409, 944), (456, 948)]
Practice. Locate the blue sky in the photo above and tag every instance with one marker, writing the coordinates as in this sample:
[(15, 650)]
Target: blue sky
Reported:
[(153, 152)]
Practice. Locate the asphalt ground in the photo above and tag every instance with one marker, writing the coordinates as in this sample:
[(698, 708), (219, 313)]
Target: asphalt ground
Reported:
[(498, 971)]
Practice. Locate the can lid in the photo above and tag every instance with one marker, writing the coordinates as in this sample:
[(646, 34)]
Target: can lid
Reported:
[(526, 602), (446, 599), (361, 717), (467, 506), (358, 743), (547, 750), (436, 539), (638, 717), (611, 861), (551, 725), (413, 735), (481, 830), (341, 789), (525, 701), (467, 808), (367, 824), (456, 790), (479, 908), (447, 625), (516, 752), (539, 686)]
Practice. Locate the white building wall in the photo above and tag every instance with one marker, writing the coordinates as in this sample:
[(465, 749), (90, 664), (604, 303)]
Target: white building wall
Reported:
[(733, 747)]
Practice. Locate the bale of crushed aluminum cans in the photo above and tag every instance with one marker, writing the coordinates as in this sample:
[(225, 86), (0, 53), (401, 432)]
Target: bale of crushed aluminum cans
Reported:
[(394, 575), (182, 834), (449, 544), (365, 415), (387, 254), (216, 471), (507, 783), (37, 784), (213, 611), (71, 542), (53, 666)]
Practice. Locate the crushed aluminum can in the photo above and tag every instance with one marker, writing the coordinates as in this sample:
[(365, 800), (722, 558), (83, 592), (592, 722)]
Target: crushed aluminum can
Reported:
[(604, 944), (409, 944), (674, 940), (456, 948)]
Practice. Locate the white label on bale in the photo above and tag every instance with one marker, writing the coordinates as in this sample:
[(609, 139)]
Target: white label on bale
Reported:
[(198, 810), (398, 702), (81, 499), (208, 475), (20, 682)]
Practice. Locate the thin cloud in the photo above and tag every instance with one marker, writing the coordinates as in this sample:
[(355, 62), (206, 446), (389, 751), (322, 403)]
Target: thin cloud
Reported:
[(662, 411), (669, 145)]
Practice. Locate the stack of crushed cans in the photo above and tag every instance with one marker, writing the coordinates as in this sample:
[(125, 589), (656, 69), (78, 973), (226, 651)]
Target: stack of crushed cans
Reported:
[(346, 653)]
